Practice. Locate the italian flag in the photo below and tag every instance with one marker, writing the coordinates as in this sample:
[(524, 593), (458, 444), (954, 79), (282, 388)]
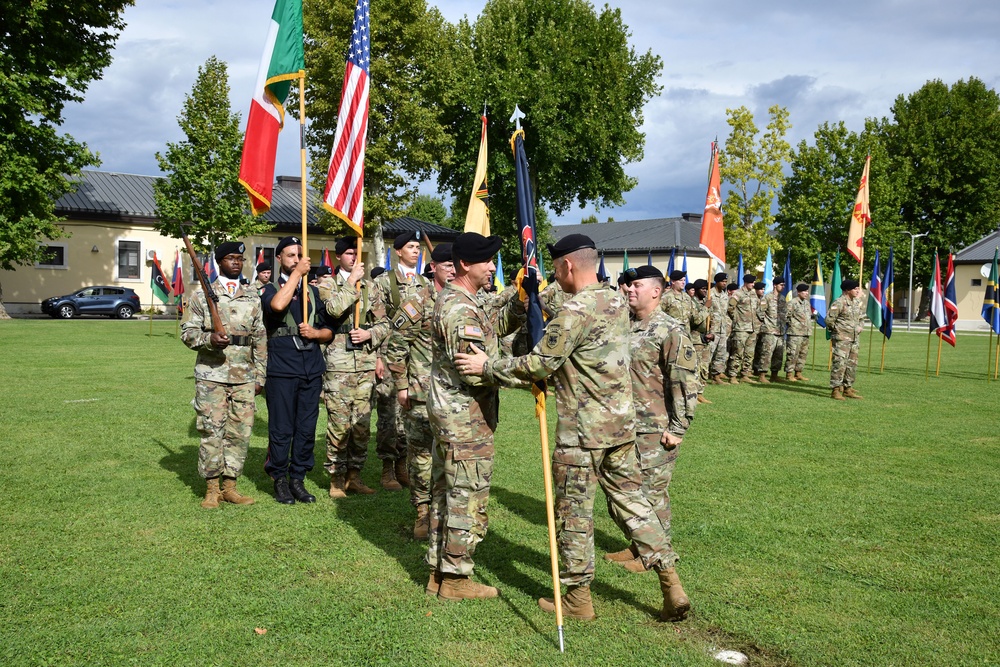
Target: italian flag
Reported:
[(283, 62)]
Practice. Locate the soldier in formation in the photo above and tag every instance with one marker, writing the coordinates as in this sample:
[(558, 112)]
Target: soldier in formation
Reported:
[(798, 323), (770, 330), (844, 321), (742, 310), (720, 329)]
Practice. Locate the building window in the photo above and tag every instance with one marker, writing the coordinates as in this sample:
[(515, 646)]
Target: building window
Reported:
[(128, 260), (268, 255), (203, 261), (53, 257), (977, 282)]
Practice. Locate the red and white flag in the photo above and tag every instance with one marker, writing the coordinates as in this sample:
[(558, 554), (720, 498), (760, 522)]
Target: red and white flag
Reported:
[(345, 179), (713, 236)]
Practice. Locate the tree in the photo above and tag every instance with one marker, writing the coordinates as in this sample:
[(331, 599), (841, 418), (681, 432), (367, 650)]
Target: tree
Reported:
[(429, 209), (571, 70), (754, 168), (201, 185), (589, 220), (410, 69), (49, 54)]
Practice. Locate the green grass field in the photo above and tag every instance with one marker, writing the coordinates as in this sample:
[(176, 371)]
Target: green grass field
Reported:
[(811, 532)]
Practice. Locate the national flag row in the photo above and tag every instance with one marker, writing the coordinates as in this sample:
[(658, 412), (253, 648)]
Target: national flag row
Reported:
[(170, 290)]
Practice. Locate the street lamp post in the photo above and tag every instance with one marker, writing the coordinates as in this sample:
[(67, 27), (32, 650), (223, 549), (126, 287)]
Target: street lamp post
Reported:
[(909, 298)]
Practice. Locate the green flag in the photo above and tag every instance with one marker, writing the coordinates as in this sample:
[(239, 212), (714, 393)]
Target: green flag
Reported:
[(835, 290), (625, 262)]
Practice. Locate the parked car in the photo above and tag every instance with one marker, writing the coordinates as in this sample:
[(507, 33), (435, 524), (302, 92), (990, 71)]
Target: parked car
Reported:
[(120, 302)]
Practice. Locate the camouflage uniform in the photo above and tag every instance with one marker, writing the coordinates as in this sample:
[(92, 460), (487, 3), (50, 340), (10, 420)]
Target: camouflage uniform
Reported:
[(743, 313), (225, 379), (585, 350), (392, 289), (702, 347), (844, 321), (692, 315), (767, 316), (721, 326), (798, 319), (662, 367), (463, 413), (350, 374)]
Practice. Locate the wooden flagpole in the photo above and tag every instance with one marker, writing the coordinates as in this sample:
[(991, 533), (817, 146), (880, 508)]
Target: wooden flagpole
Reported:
[(550, 516), (302, 171)]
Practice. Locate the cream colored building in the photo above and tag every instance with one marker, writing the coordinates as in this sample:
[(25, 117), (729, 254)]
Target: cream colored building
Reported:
[(972, 270)]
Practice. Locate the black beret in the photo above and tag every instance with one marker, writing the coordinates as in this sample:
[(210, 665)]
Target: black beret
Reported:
[(229, 248), (622, 279), (344, 244), (377, 271), (285, 242), (323, 271), (778, 281), (732, 287), (441, 253), (428, 270), (760, 284), (677, 274), (570, 243), (801, 287), (849, 284), (701, 283), (473, 248), (263, 266), (640, 272), (749, 278), (720, 277), (405, 238)]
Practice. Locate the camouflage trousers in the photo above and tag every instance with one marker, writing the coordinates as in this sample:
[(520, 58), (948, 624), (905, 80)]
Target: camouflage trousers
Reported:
[(719, 351), (419, 445), (657, 462), (348, 399), (798, 351), (779, 354), (741, 356), (460, 492), (766, 343), (576, 472), (225, 421), (845, 363), (701, 355), (390, 434)]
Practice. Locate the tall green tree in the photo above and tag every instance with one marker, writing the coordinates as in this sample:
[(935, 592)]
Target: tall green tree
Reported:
[(49, 53), (571, 70), (429, 209), (201, 182), (752, 165)]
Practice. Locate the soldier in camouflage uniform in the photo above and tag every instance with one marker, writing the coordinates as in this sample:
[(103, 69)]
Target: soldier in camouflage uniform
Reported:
[(705, 337), (844, 321), (463, 414), (585, 348), (229, 372), (349, 381), (798, 320), (263, 276), (408, 357), (742, 310), (394, 287), (721, 326), (770, 329)]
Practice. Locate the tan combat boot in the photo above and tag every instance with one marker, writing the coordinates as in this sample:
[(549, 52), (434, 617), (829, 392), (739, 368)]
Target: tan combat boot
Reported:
[(838, 394), (790, 377), (423, 523), (629, 553), (775, 376), (718, 379), (458, 587), (634, 566), (748, 379), (702, 399), (850, 393), (675, 601), (800, 377), (402, 475), (762, 378), (231, 495), (734, 380), (433, 583), (338, 484), (389, 482), (575, 604), (212, 493), (355, 484)]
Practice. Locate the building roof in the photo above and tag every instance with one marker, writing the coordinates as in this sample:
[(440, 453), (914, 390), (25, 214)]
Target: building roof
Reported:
[(111, 196), (980, 251), (656, 235)]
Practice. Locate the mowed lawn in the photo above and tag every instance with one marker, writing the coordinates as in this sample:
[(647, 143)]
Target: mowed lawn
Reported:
[(811, 532)]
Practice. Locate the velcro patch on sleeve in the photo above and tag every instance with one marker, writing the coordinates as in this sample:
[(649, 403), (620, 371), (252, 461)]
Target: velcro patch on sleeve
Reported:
[(471, 332)]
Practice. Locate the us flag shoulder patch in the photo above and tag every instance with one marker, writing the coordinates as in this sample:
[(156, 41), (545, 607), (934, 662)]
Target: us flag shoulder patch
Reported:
[(470, 331), (410, 310)]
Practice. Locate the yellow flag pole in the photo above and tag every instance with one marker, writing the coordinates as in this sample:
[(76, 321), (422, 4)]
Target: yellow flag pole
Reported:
[(937, 366), (881, 367), (302, 171), (550, 516)]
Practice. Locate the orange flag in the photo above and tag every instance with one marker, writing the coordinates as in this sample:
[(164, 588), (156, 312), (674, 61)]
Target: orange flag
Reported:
[(861, 217), (713, 238)]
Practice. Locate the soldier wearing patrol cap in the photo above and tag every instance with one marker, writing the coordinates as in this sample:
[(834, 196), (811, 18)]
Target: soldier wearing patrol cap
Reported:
[(844, 322), (463, 414), (229, 372), (586, 349)]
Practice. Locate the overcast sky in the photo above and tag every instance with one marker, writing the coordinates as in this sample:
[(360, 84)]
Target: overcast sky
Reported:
[(824, 61)]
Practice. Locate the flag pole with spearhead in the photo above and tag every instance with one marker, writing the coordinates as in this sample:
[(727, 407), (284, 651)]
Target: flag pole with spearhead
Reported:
[(302, 172)]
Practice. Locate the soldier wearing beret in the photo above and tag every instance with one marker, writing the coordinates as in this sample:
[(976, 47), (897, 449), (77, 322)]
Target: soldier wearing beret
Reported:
[(743, 313), (263, 276), (721, 327), (702, 338), (844, 322), (770, 330), (586, 349), (295, 370), (393, 287), (229, 372), (408, 358), (798, 322), (463, 413)]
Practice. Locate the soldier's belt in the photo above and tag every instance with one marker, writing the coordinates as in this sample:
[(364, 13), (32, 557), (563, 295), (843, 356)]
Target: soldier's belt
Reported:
[(283, 331), (240, 340)]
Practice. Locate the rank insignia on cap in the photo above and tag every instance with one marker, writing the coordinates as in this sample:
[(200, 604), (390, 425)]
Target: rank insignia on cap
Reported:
[(418, 234), (242, 248), (296, 241)]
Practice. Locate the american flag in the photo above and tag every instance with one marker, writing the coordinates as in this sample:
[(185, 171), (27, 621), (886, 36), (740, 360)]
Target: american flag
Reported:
[(344, 195)]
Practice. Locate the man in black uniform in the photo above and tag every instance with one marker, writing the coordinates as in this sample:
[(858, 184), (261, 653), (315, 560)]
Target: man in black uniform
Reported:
[(295, 365)]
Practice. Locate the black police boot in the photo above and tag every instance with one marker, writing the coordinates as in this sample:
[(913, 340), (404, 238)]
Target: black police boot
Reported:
[(281, 492), (300, 493)]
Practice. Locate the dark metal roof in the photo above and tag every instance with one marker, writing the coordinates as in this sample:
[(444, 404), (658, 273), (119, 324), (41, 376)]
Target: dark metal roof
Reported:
[(657, 235), (980, 251), (408, 224)]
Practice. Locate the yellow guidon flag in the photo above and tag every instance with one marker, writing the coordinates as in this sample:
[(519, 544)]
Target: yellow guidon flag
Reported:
[(477, 219), (861, 217)]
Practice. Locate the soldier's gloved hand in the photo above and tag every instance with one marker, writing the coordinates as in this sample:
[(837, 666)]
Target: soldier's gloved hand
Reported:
[(219, 341)]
